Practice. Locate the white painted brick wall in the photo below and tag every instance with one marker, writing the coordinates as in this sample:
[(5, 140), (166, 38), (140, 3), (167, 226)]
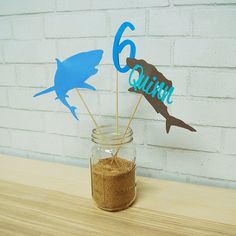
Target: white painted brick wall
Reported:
[(28, 27), (173, 22), (205, 52), (193, 43), (215, 23)]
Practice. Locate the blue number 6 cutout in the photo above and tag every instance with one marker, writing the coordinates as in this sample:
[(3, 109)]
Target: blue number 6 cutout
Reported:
[(118, 47)]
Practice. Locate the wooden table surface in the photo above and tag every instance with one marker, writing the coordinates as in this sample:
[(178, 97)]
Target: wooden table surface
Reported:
[(42, 198)]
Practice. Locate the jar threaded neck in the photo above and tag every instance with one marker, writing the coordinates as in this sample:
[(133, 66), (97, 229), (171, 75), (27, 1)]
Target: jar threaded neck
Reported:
[(108, 135)]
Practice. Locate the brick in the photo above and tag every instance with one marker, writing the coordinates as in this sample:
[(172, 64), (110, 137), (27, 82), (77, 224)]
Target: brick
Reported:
[(107, 4), (86, 124), (210, 83), (73, 25), (200, 2), (7, 73), (153, 158), (160, 174), (75, 147), (205, 139), (28, 27), (104, 79), (22, 98), (158, 55), (3, 96), (90, 97), (215, 23), (138, 127), (108, 108), (1, 53), (127, 104), (5, 137), (229, 137), (70, 47), (60, 123), (50, 74), (73, 5), (209, 181), (21, 139), (21, 119), (47, 143), (106, 45), (179, 78), (30, 51), (202, 164), (43, 157), (5, 27), (32, 75), (202, 52), (170, 22), (205, 112), (123, 81), (37, 142), (25, 6), (116, 18)]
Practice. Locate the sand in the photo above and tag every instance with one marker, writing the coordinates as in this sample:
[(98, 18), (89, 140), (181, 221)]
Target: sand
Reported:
[(113, 183)]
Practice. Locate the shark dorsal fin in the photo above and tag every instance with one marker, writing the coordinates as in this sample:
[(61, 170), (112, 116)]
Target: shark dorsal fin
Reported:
[(59, 63)]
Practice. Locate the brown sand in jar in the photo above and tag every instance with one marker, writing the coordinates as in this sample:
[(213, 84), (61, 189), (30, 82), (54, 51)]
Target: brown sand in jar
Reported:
[(113, 183)]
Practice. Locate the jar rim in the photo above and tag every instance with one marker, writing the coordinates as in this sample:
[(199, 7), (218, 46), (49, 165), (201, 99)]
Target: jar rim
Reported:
[(107, 135)]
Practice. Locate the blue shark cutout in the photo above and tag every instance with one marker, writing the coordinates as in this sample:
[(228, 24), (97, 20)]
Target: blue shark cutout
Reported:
[(72, 73)]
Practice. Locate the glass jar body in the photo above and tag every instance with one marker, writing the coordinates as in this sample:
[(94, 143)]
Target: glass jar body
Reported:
[(112, 166)]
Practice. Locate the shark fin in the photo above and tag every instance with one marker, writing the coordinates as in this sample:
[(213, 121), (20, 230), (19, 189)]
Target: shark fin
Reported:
[(66, 96), (59, 63), (87, 86), (72, 109), (177, 122), (48, 90)]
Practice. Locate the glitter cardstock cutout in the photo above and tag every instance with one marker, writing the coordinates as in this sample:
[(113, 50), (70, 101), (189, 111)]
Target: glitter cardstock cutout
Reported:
[(73, 73), (157, 103)]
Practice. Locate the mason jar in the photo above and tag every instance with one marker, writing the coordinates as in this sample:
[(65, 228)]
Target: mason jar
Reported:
[(112, 166)]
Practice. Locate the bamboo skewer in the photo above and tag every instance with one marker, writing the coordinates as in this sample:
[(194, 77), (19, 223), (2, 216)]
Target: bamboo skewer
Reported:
[(117, 104), (130, 120), (86, 106)]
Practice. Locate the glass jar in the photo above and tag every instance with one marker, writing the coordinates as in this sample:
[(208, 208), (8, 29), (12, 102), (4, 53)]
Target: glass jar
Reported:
[(112, 166)]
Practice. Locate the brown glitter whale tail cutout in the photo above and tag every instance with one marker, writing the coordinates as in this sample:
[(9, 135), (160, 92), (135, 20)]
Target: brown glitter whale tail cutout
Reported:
[(158, 105)]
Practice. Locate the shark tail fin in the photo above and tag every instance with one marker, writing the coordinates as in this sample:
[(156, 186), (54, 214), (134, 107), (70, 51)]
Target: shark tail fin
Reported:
[(72, 109), (48, 90), (177, 122)]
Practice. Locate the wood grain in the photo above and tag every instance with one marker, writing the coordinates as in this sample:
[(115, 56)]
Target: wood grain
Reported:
[(39, 198)]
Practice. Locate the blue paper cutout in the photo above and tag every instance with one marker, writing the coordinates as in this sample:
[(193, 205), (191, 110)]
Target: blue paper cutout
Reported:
[(72, 73), (118, 47)]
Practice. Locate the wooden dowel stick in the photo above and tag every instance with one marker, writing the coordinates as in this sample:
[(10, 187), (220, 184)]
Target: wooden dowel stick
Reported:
[(117, 103), (81, 97), (130, 120)]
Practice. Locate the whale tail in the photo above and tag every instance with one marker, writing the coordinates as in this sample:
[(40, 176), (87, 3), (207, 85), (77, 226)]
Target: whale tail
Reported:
[(72, 109), (171, 120)]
